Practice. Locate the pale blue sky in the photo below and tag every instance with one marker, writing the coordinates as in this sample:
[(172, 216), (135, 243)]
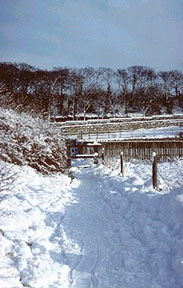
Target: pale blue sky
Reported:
[(98, 33)]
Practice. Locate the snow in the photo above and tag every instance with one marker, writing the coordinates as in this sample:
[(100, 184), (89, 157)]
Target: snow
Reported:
[(122, 118), (27, 140), (92, 228), (164, 132)]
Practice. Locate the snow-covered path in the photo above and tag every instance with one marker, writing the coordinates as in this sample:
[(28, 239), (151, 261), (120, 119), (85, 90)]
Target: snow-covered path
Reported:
[(97, 231), (124, 238)]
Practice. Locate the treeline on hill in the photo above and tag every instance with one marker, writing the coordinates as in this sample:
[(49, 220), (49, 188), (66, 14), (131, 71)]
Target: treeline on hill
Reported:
[(79, 91)]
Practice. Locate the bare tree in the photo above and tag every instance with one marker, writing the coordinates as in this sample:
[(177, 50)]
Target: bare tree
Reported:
[(165, 83), (176, 82), (99, 102), (122, 78), (64, 91), (76, 90), (61, 86), (107, 77), (89, 89)]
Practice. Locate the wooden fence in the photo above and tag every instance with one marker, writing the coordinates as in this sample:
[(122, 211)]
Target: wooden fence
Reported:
[(142, 149)]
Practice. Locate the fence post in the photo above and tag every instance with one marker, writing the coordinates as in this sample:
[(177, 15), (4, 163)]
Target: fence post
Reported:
[(103, 155), (95, 159), (154, 171), (122, 164), (68, 157)]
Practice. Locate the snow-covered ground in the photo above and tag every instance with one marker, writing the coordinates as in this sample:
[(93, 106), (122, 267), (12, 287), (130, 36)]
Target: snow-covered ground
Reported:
[(164, 132), (129, 117), (92, 229)]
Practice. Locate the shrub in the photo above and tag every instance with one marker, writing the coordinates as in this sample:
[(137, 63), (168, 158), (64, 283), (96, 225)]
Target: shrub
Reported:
[(28, 140)]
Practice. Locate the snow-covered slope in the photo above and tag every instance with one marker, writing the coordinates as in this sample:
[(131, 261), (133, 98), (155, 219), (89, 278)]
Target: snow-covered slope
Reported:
[(27, 140), (93, 229)]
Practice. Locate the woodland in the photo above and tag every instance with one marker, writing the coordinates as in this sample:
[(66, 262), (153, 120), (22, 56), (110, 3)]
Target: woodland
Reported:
[(80, 93)]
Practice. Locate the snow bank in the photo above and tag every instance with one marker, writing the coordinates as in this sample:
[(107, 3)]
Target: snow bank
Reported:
[(31, 229)]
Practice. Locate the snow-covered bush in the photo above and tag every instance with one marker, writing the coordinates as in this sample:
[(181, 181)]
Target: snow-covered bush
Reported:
[(27, 140), (7, 177)]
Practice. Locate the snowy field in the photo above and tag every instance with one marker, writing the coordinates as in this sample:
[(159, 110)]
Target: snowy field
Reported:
[(164, 132), (93, 228)]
